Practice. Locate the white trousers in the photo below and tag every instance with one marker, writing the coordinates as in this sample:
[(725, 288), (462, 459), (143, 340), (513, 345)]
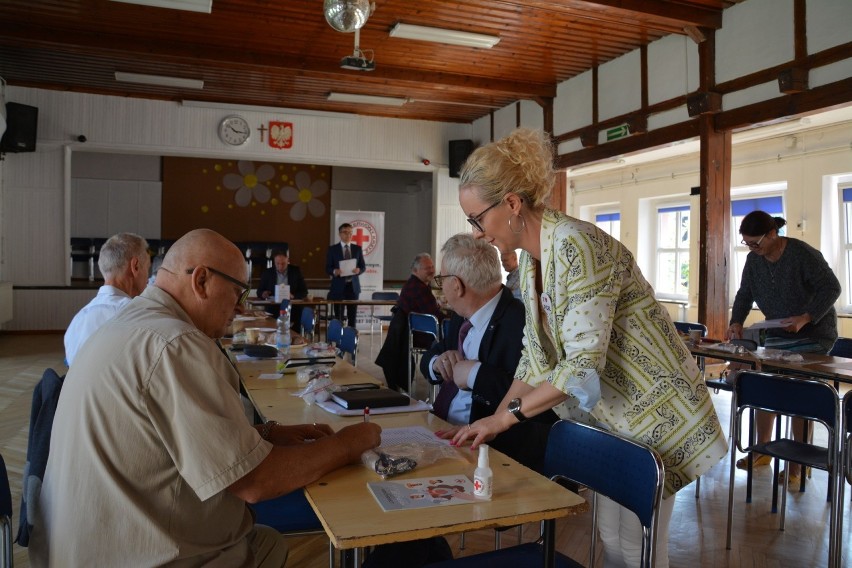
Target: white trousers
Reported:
[(621, 534)]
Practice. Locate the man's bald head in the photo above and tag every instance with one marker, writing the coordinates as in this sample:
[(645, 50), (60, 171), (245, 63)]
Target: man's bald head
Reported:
[(192, 273)]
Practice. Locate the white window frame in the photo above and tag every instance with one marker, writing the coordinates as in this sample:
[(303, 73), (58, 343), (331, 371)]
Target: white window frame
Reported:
[(611, 226), (678, 250), (845, 208)]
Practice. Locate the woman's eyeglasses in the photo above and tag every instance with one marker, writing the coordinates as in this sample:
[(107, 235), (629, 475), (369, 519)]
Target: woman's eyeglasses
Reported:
[(755, 244), (476, 220)]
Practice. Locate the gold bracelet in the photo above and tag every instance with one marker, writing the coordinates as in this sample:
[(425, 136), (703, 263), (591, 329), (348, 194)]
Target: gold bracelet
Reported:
[(267, 428)]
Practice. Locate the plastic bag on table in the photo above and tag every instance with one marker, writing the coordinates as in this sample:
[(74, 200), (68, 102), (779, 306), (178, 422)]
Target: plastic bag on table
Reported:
[(388, 461), (317, 390)]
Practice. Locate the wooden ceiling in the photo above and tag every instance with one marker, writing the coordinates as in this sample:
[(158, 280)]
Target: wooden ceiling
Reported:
[(282, 53)]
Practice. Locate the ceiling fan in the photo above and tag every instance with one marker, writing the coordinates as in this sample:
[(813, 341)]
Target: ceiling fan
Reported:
[(350, 16)]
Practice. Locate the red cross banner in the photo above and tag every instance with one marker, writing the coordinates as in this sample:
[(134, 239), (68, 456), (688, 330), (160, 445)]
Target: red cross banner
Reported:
[(368, 232)]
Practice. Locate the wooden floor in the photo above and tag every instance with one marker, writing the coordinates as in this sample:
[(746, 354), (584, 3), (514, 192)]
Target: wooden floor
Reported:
[(697, 530)]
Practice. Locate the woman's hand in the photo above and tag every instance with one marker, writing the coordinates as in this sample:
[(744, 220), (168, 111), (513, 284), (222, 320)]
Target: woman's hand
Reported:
[(734, 331), (449, 432), (483, 430)]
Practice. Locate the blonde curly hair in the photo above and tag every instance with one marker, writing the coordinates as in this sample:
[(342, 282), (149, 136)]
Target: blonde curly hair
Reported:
[(521, 163)]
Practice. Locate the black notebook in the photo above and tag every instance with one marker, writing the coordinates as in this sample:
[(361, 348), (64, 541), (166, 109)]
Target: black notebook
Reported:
[(374, 398)]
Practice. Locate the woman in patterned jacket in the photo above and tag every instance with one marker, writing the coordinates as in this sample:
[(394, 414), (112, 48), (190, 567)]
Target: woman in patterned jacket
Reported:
[(594, 331)]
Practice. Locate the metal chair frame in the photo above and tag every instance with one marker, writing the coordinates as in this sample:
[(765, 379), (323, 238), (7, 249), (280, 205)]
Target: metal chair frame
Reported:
[(790, 397), (419, 323), (384, 296)]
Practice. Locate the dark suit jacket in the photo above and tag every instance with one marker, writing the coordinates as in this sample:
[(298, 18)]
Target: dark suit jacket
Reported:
[(332, 261), (269, 277), (499, 353)]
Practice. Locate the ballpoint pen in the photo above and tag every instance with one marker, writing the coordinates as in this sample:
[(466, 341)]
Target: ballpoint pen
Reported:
[(366, 414)]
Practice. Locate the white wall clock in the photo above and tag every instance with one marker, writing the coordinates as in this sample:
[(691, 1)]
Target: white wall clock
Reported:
[(234, 130)]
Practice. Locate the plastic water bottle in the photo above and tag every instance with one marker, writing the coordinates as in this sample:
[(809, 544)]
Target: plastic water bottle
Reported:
[(282, 333), (482, 476)]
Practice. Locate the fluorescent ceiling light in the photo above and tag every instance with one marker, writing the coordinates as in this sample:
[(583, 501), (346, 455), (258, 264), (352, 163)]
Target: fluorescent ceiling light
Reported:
[(265, 109), (366, 99), (440, 35), (161, 80), (190, 5)]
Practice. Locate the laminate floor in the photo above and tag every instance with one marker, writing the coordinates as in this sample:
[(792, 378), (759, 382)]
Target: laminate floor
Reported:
[(697, 537)]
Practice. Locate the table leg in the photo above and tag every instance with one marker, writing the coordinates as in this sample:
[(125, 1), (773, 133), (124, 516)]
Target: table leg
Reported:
[(549, 543)]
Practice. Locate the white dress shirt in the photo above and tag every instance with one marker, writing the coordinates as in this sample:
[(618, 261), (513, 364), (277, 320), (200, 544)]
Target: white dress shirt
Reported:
[(102, 308)]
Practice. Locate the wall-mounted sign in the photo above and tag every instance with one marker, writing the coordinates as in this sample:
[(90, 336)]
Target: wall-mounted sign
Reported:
[(280, 134)]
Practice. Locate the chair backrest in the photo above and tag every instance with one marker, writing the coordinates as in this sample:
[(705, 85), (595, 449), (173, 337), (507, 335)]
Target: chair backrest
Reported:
[(349, 343), (842, 347), (334, 332), (687, 326), (793, 396), (627, 472), (847, 436), (385, 296), (424, 324), (5, 517), (308, 320), (45, 399)]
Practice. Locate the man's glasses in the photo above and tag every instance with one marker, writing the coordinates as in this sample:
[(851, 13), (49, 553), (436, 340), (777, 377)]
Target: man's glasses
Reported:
[(755, 244), (476, 220), (439, 278), (243, 286)]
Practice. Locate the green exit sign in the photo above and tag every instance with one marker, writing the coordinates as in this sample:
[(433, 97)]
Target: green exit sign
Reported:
[(617, 132)]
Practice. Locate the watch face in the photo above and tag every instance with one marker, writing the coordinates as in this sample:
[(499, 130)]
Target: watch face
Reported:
[(234, 130)]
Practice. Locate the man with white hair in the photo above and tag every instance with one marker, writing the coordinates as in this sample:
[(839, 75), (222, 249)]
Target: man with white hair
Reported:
[(476, 361), (124, 263)]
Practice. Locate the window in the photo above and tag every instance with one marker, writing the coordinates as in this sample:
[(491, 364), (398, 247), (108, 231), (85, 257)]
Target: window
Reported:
[(673, 252), (609, 222), (846, 192), (774, 205)]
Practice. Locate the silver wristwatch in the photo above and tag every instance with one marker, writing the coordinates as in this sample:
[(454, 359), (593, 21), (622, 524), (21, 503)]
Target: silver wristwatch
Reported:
[(515, 409)]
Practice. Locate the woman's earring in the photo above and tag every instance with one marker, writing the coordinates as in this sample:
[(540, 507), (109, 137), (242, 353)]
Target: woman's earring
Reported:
[(523, 224)]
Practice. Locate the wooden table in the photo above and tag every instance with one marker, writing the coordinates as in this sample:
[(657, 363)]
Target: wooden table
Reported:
[(826, 367), (349, 513)]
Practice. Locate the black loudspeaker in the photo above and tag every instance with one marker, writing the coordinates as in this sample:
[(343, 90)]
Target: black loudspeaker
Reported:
[(21, 126), (459, 151)]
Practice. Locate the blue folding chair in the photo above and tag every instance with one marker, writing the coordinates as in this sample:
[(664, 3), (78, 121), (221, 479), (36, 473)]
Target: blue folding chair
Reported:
[(628, 472), (5, 517), (308, 323), (791, 397), (419, 325), (334, 332), (349, 344), (386, 297), (291, 515)]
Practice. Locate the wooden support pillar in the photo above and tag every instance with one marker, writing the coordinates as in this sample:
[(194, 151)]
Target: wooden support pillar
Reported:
[(714, 227)]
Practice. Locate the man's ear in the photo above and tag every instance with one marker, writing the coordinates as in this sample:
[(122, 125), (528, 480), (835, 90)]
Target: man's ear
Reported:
[(134, 265), (200, 279)]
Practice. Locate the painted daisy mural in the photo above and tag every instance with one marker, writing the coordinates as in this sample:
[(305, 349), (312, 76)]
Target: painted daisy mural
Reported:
[(305, 194), (250, 183)]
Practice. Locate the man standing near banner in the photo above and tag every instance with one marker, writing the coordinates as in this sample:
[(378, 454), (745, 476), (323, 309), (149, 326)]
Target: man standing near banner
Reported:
[(344, 261)]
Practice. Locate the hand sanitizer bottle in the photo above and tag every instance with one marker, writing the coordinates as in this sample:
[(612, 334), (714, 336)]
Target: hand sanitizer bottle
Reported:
[(482, 476)]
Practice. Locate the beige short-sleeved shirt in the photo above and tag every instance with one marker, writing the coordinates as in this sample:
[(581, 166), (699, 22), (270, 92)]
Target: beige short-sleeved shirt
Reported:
[(148, 434)]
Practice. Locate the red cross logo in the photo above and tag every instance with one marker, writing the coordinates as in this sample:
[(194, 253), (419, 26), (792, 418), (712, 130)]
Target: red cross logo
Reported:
[(360, 237)]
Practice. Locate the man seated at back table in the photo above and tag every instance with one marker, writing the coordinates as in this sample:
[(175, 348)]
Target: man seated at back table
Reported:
[(124, 263), (152, 459), (491, 323), (283, 273)]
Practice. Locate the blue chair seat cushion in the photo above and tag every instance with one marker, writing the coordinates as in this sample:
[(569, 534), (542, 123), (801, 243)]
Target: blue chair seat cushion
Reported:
[(530, 555), (288, 513)]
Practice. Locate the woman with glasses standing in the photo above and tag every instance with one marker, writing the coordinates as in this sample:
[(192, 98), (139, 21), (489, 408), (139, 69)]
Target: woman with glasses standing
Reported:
[(593, 331), (789, 280)]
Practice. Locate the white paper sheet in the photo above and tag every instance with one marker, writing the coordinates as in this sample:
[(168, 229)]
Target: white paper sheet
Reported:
[(347, 267)]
